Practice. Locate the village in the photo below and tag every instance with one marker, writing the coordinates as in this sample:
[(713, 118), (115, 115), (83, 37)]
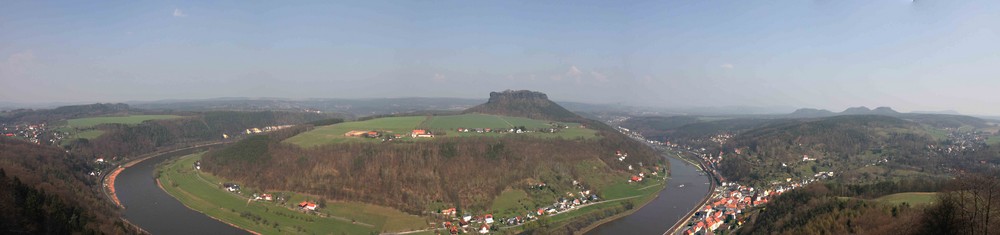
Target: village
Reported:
[(38, 133), (728, 200)]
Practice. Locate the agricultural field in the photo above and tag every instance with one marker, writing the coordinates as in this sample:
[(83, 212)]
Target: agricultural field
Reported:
[(202, 192), (80, 123), (993, 140), (446, 125), (912, 198), (335, 133)]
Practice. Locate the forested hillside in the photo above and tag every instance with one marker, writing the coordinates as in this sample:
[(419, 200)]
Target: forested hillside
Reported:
[(63, 113), (469, 171), (857, 147), (967, 204), (44, 190), (127, 140)]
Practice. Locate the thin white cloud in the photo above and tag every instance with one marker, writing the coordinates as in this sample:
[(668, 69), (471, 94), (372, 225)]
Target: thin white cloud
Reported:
[(179, 13), (599, 76), (439, 77), (573, 71), (727, 66)]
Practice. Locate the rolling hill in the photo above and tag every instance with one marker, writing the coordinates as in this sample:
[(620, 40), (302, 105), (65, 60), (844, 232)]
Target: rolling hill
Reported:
[(417, 175)]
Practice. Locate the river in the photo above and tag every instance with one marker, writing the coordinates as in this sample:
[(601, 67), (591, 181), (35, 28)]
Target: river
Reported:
[(152, 209), (663, 212)]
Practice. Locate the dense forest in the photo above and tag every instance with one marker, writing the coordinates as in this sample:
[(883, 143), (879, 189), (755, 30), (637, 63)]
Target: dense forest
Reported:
[(44, 190), (968, 204), (468, 172), (130, 140)]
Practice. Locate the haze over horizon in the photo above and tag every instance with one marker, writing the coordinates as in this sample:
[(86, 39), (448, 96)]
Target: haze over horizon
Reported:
[(908, 55)]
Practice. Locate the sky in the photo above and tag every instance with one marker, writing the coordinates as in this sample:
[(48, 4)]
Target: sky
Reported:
[(909, 55)]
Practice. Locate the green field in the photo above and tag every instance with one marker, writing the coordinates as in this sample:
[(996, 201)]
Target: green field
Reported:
[(938, 134), (439, 124), (131, 119), (512, 203), (912, 198), (202, 192), (335, 133), (993, 140), (88, 134)]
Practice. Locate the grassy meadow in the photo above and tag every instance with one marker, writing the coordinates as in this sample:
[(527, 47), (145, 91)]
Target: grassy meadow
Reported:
[(333, 134), (912, 198), (131, 119), (203, 192)]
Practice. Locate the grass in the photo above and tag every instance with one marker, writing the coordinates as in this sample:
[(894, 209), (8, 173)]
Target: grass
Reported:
[(912, 198), (196, 190), (938, 134), (131, 119), (88, 134), (993, 140), (512, 202), (334, 134)]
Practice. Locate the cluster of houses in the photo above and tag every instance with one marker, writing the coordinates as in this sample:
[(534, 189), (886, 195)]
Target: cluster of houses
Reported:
[(482, 224), (387, 135), (37, 133), (960, 141), (487, 223), (258, 130)]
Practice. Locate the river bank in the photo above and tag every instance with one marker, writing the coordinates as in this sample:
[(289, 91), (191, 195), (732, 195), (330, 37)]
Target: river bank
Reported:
[(662, 213)]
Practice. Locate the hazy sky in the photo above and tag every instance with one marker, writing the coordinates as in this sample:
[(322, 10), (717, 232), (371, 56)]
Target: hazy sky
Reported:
[(911, 55)]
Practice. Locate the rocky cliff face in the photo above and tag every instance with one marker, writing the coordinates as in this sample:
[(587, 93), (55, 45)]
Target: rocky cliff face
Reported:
[(524, 103)]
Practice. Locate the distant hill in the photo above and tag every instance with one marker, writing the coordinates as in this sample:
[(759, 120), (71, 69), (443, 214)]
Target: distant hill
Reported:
[(937, 120), (64, 112), (843, 144), (524, 103), (354, 107), (808, 113), (948, 112)]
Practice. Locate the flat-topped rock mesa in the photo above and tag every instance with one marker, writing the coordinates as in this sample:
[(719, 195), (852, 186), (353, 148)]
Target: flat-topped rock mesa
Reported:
[(524, 103)]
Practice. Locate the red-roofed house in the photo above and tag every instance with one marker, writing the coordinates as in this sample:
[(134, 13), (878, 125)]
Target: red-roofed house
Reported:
[(308, 205), (484, 229), (449, 211), (420, 133), (700, 225), (635, 179)]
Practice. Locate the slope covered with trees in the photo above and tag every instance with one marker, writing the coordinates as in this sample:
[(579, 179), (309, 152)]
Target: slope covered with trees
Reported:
[(129, 140), (468, 172), (44, 190)]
